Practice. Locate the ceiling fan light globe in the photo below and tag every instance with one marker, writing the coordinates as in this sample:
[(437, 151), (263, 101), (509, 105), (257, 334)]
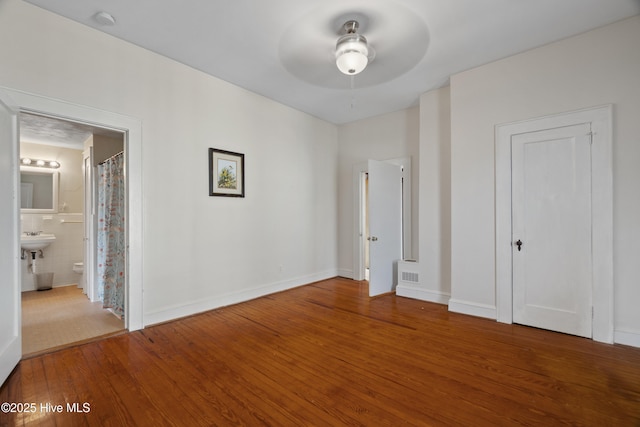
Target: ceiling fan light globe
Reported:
[(352, 62), (352, 54)]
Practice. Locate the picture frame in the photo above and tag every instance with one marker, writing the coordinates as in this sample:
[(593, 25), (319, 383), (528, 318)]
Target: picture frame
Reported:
[(226, 173)]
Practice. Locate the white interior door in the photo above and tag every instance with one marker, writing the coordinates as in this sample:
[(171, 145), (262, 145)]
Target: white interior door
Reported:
[(89, 212), (10, 328), (385, 225), (551, 208)]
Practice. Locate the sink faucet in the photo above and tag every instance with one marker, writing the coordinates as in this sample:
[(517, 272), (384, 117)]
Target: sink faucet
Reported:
[(32, 233)]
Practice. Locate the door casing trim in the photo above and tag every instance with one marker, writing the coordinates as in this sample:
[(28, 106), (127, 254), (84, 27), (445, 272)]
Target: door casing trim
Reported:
[(601, 121), (132, 128)]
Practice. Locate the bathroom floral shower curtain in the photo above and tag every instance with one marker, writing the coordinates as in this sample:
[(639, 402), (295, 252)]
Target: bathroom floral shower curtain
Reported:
[(111, 234)]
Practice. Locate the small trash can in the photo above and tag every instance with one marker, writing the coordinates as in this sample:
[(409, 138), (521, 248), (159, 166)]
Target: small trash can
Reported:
[(44, 281)]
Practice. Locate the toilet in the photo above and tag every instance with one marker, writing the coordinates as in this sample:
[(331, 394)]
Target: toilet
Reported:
[(78, 267)]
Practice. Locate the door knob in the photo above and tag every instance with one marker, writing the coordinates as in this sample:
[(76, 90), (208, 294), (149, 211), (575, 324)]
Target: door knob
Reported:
[(519, 244), (374, 238)]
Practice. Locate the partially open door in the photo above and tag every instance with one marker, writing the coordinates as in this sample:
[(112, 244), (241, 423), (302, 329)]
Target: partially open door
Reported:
[(10, 327), (88, 279), (385, 225)]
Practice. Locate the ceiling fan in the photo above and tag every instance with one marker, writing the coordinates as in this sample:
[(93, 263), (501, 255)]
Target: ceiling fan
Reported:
[(353, 53), (328, 47)]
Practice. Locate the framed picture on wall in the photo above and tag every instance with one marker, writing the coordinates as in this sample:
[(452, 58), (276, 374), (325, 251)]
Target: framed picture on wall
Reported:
[(226, 173)]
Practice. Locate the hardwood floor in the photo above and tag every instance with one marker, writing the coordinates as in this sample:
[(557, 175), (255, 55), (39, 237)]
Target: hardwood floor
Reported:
[(324, 355)]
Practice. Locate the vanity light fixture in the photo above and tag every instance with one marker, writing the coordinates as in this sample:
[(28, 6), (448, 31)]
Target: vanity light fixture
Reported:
[(40, 163)]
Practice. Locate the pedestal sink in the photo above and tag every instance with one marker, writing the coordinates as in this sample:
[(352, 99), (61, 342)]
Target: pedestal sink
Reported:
[(35, 242)]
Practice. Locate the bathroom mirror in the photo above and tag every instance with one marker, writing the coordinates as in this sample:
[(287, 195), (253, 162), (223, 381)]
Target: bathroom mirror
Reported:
[(38, 190)]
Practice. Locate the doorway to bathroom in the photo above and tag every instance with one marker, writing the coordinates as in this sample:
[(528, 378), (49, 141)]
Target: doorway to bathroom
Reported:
[(12, 103), (64, 299)]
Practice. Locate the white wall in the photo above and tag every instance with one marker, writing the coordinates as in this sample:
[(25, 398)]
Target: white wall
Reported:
[(595, 68), (199, 252), (383, 137), (435, 196)]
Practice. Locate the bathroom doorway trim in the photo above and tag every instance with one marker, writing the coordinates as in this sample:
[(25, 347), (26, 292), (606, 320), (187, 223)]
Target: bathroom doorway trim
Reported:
[(132, 129)]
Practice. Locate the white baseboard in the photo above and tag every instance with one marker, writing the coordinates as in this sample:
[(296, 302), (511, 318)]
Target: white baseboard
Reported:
[(345, 272), (417, 292), (178, 311), (472, 309), (627, 338), (60, 285)]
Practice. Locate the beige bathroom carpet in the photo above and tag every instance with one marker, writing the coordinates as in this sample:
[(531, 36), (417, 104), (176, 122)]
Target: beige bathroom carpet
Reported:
[(62, 317)]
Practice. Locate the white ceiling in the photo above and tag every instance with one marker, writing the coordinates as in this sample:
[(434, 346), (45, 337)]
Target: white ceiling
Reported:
[(282, 49), (39, 129)]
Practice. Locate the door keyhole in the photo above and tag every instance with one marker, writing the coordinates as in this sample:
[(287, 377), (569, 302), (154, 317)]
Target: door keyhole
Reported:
[(519, 244)]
